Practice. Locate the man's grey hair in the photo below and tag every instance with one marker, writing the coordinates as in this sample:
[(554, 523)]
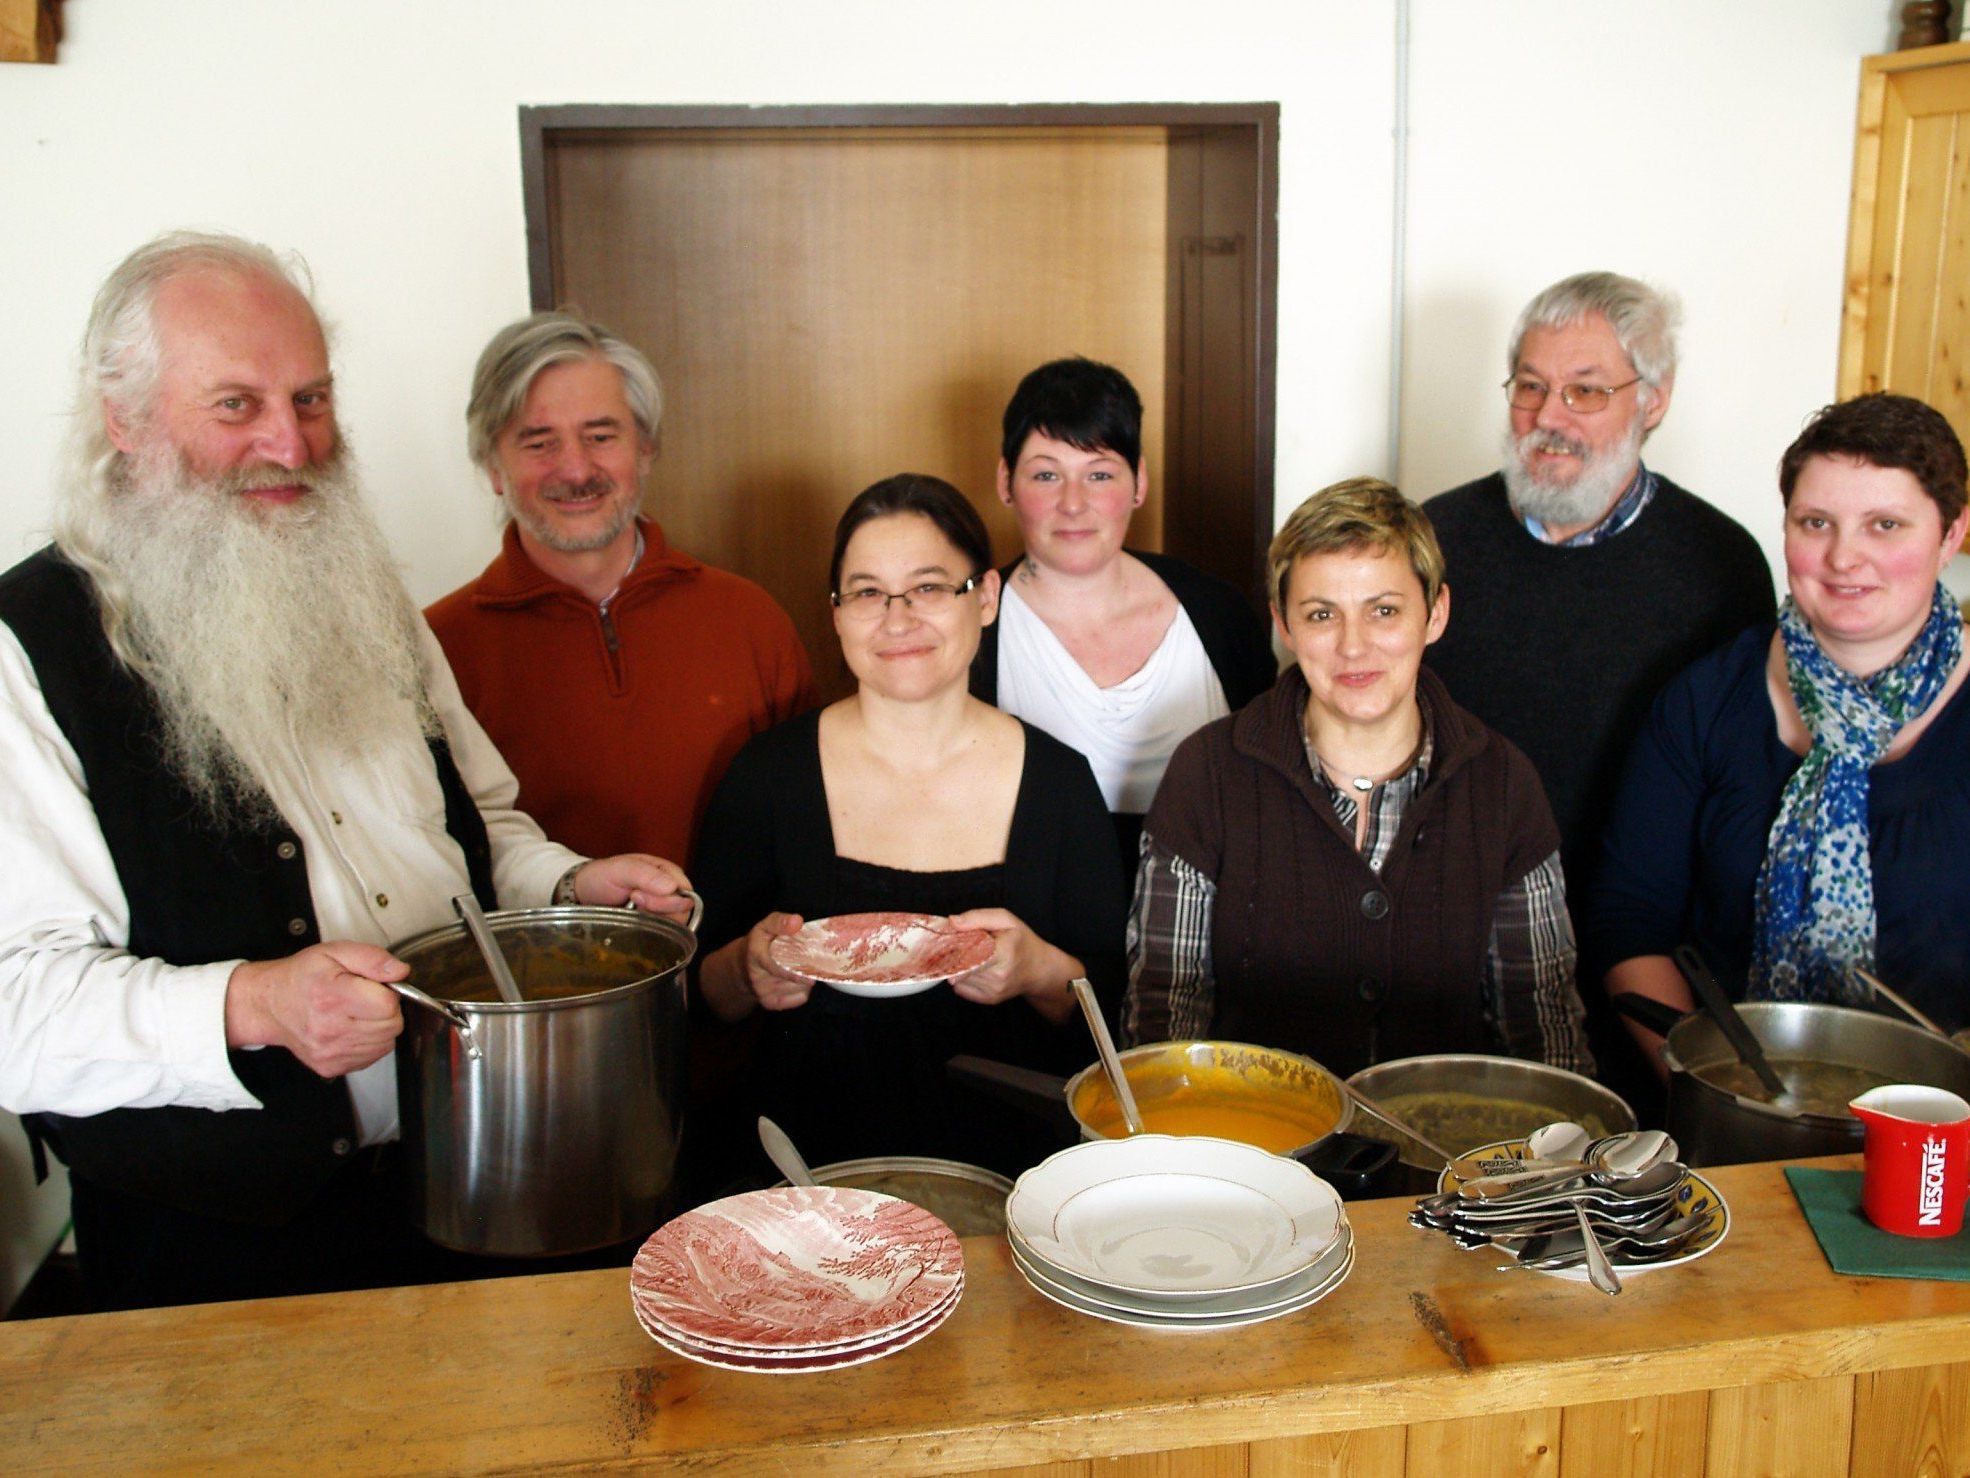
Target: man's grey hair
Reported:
[(1644, 320), (122, 357), (521, 352)]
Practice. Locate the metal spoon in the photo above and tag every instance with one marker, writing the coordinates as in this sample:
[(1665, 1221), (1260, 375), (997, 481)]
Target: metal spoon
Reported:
[(1548, 1147), (1895, 999), (779, 1149), (1618, 1158), (1600, 1272), (467, 908), (1111, 1063)]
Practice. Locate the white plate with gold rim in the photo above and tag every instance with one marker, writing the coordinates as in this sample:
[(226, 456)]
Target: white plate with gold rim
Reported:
[(1174, 1215)]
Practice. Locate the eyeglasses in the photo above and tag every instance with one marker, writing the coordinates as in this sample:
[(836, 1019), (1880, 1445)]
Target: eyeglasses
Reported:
[(871, 602), (1527, 394)]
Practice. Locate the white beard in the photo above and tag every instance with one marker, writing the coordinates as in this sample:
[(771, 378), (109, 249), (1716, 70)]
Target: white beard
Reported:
[(263, 628), (1585, 499)]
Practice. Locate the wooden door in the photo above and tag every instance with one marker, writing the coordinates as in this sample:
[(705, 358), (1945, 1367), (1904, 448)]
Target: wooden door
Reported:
[(1907, 321), (827, 307)]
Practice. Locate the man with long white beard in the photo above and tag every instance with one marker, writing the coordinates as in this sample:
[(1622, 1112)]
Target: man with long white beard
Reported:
[(1584, 580), (237, 767)]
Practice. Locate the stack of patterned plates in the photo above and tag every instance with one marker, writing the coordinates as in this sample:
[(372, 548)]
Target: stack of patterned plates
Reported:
[(1170, 1232), (797, 1278)]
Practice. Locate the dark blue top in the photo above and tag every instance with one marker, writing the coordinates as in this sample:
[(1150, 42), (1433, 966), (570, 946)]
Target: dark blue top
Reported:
[(1687, 836)]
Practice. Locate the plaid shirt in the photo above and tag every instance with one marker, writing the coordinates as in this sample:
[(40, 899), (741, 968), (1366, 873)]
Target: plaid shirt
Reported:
[(1627, 508), (1530, 1001)]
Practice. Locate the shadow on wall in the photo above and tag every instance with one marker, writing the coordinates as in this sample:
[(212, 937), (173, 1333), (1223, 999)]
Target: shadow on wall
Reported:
[(1453, 412), (32, 1218)]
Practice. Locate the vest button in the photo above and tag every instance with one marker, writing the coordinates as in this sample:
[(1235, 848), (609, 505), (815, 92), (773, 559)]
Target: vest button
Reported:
[(1375, 903), (341, 1147), (297, 927), (286, 851), (382, 900), (1371, 989)]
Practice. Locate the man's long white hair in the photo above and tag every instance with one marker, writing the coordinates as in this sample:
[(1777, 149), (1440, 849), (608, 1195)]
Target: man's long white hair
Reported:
[(263, 631)]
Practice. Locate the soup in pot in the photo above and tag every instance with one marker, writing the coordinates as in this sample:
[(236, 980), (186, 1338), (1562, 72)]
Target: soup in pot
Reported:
[(1811, 1087), (1185, 1098)]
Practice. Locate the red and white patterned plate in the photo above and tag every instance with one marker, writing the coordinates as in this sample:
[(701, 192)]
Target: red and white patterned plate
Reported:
[(796, 1268), (659, 1330), (881, 954), (795, 1364)]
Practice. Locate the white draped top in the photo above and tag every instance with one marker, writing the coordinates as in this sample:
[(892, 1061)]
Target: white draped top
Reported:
[(1127, 731)]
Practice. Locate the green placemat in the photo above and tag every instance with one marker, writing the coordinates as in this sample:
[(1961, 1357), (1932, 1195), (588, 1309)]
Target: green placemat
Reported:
[(1831, 1200)]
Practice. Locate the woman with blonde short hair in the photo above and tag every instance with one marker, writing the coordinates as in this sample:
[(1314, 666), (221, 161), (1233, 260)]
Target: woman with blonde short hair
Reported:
[(1353, 867)]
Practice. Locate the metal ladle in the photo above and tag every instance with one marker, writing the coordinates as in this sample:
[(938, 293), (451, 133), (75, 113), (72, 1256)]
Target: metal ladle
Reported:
[(779, 1149), (467, 908), (1375, 1111), (1111, 1062)]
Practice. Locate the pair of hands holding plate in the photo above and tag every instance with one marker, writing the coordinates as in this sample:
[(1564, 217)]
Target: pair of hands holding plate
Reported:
[(987, 954)]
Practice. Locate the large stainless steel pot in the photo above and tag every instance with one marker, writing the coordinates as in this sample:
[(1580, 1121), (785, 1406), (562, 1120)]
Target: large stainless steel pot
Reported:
[(560, 1135), (1554, 1092), (1715, 1126)]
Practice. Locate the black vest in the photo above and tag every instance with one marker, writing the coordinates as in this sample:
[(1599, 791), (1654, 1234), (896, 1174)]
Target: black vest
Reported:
[(196, 893)]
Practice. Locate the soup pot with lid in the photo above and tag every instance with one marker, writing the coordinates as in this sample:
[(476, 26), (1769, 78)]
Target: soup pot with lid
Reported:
[(550, 1125), (1717, 1123)]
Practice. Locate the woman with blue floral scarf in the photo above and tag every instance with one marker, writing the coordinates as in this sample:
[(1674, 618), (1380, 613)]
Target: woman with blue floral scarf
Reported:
[(1798, 805)]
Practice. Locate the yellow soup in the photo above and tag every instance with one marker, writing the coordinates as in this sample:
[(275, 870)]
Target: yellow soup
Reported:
[(1179, 1098)]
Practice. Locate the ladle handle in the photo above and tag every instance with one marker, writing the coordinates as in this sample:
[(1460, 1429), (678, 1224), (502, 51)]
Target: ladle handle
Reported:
[(1374, 1111), (1895, 999), (467, 908), (1713, 1000), (461, 1023), (1110, 1060)]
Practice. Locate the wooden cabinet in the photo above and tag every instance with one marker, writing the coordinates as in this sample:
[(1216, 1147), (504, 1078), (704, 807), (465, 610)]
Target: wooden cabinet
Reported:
[(1907, 321)]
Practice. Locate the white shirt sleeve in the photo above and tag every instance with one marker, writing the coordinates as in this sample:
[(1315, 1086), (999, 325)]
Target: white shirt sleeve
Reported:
[(86, 1026), (526, 866)]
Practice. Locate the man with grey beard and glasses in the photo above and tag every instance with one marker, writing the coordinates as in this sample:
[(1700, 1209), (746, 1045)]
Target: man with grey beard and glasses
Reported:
[(1583, 579), (237, 767)]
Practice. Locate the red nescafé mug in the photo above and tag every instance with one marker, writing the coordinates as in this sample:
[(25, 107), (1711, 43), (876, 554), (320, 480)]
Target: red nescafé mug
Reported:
[(1917, 1159)]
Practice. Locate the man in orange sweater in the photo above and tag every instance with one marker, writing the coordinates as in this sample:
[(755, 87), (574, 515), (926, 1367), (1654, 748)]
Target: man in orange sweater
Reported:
[(617, 675)]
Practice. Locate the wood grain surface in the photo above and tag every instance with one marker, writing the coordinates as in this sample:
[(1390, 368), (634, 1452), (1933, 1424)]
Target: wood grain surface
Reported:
[(552, 1372)]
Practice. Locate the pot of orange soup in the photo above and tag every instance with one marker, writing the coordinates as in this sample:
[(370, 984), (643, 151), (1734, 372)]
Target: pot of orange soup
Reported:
[(1277, 1100)]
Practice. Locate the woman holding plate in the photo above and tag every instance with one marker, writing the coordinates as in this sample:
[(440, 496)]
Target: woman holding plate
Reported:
[(1798, 805), (909, 796)]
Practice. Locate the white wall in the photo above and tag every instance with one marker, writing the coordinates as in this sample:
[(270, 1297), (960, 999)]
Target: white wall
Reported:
[(1702, 144)]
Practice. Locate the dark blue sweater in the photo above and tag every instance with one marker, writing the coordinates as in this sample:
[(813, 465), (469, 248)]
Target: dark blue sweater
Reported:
[(1688, 831)]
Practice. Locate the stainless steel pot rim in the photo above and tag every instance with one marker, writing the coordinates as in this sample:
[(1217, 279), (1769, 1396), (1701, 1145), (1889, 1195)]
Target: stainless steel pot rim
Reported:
[(1480, 1059), (921, 1164), (579, 913)]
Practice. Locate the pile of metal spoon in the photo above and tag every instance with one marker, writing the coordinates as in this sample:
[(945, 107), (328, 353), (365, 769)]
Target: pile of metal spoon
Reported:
[(1575, 1202)]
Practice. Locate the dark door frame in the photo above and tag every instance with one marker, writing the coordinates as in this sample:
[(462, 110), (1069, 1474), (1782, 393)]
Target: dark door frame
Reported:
[(1222, 329)]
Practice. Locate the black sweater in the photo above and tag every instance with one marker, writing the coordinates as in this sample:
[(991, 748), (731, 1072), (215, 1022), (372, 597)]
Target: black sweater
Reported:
[(1562, 650)]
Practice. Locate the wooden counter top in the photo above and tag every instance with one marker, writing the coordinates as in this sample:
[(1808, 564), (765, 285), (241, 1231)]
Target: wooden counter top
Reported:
[(553, 1372)]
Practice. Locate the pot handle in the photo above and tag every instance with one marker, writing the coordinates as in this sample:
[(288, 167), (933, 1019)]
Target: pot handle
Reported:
[(697, 909), (460, 1022), (1349, 1161), (1041, 1094), (1658, 1016)]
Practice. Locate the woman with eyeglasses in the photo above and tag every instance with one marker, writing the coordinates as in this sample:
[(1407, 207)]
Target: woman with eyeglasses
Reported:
[(910, 795), (1798, 804)]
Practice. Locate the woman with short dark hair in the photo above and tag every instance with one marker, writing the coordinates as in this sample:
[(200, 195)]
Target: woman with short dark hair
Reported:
[(1798, 805), (1119, 653)]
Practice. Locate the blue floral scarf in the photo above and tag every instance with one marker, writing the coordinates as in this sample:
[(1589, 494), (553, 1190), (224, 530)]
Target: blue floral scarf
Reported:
[(1815, 906)]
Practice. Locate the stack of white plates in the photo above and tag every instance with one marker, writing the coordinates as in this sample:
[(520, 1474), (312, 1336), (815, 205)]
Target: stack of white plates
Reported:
[(797, 1278), (1170, 1232)]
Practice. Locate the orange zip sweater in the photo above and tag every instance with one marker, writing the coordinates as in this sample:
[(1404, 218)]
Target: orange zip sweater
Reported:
[(619, 725)]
